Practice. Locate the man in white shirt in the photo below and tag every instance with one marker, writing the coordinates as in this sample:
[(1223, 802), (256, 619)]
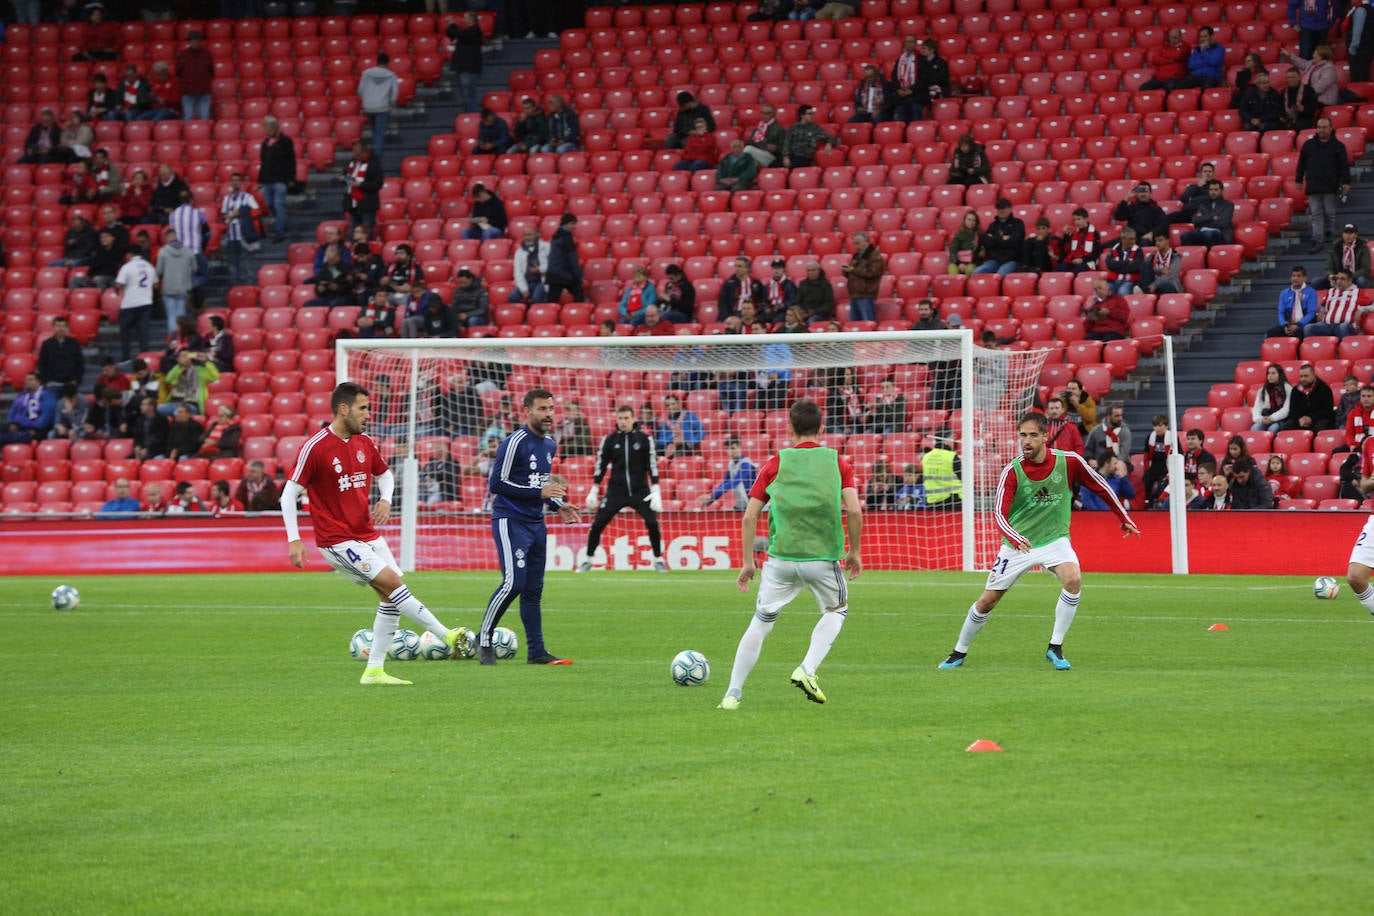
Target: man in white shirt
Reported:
[(531, 262), (135, 283), (238, 210)]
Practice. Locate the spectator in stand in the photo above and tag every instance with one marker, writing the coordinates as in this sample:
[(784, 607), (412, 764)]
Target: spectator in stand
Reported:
[(865, 274), (1349, 401), (100, 39), (363, 180), (108, 181), (1297, 306), (377, 319), (71, 413), (466, 63), (332, 237), (689, 111), (1359, 42), (1261, 108), (1082, 407), (101, 99), (887, 414), (1168, 63), (493, 134), (154, 501), (78, 245), (798, 10), (1003, 242), (32, 414), (221, 503), (1193, 195), (1080, 246), (81, 187), (764, 142), (560, 124), (881, 492), (1350, 253), (1300, 105), (531, 263), (77, 137), (60, 358), (1339, 316), (678, 298), (800, 142), (166, 94), (565, 270), (278, 171), (333, 282), (1142, 214), (167, 196), (220, 347), (470, 304), (188, 383), (1107, 314), (176, 267), (1206, 63), (134, 98), (927, 319), (1197, 460), (431, 318), (404, 276), (737, 289), (872, 98), (1163, 269), (1042, 252), (104, 264), (142, 383), (1359, 420), (737, 169), (488, 217), (184, 434), (964, 245), (1212, 221), (1159, 445), (44, 142), (572, 431), (650, 323), (531, 128), (368, 273), (779, 293), (699, 150), (1063, 431), (1319, 73), (1311, 405), (1312, 19), (932, 79), (1111, 438), (1248, 488), (378, 89), (111, 379), (680, 431), (256, 491), (1274, 474), (195, 70), (148, 429), (969, 163), (794, 322), (183, 336), (836, 9), (816, 295), (640, 292), (238, 212), (135, 199), (1324, 166), (1116, 475), (740, 474), (123, 505), (1125, 263)]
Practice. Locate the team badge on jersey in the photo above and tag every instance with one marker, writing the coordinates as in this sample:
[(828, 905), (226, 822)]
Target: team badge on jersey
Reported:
[(361, 456)]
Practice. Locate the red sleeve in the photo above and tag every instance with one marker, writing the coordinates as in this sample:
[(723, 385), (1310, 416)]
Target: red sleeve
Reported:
[(1350, 428), (847, 481), (305, 468), (1081, 473), (378, 462), (1006, 492), (1367, 457), (767, 474)]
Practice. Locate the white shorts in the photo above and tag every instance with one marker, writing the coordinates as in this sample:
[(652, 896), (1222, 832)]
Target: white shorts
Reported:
[(1011, 564), (1363, 551), (361, 561), (783, 580)]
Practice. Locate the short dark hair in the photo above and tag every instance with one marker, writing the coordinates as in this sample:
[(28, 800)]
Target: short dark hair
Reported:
[(805, 417), (383, 58), (345, 394), (1081, 211), (216, 322), (1159, 420), (220, 486), (536, 394), (1196, 432), (1032, 417), (731, 440), (1299, 269), (625, 408), (1367, 387)]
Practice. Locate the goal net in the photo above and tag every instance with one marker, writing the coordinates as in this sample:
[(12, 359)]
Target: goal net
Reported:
[(895, 403)]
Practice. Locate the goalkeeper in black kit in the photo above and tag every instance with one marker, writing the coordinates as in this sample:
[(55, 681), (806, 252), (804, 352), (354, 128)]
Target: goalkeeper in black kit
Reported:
[(628, 459)]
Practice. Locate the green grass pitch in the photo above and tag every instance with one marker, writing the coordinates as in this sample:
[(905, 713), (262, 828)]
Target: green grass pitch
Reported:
[(200, 744)]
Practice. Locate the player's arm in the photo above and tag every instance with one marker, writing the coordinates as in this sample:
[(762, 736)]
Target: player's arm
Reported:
[(295, 547), (748, 529), (386, 486), (1006, 492), (854, 521), (1080, 473)]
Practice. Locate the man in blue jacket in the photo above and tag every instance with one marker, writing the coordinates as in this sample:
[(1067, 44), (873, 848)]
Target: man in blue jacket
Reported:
[(33, 413), (1297, 306), (1207, 63)]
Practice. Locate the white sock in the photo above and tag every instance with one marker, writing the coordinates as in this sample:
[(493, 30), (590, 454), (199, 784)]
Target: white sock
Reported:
[(972, 624), (1367, 599), (747, 655), (822, 638), (409, 605), (383, 628), (1064, 609)]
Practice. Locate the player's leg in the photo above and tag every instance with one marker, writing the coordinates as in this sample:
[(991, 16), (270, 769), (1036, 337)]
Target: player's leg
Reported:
[(609, 507), (357, 561), (393, 591), (512, 581), (531, 599), (655, 536), (1361, 566), (1007, 567), (1060, 559), (828, 585), (777, 586)]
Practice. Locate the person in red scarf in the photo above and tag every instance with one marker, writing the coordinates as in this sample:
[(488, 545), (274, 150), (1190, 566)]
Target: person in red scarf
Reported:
[(135, 198), (1350, 253), (81, 186), (363, 181), (134, 98), (257, 492), (166, 103), (221, 503), (1081, 245)]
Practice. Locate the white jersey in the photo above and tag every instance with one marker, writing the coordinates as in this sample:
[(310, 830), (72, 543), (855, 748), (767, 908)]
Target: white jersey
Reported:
[(137, 278)]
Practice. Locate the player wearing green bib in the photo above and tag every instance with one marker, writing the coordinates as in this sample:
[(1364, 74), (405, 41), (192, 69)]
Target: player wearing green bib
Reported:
[(806, 486), (1034, 502)]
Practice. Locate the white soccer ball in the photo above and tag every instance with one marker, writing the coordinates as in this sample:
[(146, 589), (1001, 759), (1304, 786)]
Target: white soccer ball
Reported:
[(1326, 587), (405, 646), (360, 646), (433, 647), (466, 646), (504, 642), (690, 668), (64, 598)]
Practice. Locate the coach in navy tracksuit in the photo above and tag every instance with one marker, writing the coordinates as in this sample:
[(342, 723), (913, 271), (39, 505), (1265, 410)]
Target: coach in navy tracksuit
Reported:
[(520, 489)]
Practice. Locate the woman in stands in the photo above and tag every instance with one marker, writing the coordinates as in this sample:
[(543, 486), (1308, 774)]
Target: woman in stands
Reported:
[(1271, 402), (1320, 73), (963, 246), (1253, 64), (1237, 453), (969, 165), (135, 199)]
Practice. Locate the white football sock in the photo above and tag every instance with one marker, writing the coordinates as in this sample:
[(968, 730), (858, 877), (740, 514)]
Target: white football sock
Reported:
[(747, 655), (972, 624), (1367, 599), (822, 638), (409, 605), (1064, 609), (383, 628)]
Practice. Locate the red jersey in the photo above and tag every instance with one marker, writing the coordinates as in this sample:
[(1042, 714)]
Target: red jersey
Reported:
[(1358, 425), (337, 473), (769, 473), (1367, 457)]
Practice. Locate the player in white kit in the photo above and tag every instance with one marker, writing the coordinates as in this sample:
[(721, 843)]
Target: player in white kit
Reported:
[(1362, 554)]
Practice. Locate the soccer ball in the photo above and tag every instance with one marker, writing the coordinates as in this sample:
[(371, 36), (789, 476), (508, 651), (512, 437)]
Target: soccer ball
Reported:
[(360, 646), (1325, 587), (405, 646), (64, 598), (432, 647), (690, 668), (504, 642), (466, 646)]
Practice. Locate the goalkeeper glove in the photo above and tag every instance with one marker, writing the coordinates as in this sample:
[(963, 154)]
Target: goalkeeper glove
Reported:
[(592, 498), (655, 501)]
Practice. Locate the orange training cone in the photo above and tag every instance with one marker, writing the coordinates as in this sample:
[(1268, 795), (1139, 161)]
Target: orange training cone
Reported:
[(1218, 627), (982, 744)]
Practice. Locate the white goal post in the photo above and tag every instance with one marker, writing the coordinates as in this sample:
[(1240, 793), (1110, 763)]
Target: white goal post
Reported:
[(434, 399)]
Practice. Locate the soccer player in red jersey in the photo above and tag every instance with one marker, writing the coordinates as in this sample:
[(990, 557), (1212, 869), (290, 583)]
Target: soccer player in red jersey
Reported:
[(336, 468)]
